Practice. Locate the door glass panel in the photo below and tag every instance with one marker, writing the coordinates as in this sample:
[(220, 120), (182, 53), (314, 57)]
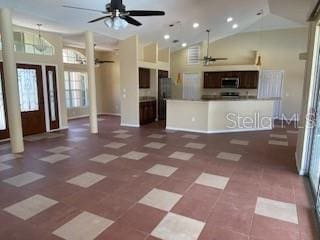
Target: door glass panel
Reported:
[(28, 90), (52, 97), (315, 159), (2, 112)]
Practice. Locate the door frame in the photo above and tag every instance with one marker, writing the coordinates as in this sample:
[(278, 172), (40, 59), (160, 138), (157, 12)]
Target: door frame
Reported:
[(45, 92)]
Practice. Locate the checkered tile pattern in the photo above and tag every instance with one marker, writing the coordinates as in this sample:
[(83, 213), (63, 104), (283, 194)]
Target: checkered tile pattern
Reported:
[(148, 184)]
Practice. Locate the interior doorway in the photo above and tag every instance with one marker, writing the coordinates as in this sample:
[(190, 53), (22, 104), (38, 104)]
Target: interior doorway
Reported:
[(271, 86)]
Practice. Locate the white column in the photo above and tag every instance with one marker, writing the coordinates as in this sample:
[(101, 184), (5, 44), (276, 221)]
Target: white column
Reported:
[(92, 82), (11, 82)]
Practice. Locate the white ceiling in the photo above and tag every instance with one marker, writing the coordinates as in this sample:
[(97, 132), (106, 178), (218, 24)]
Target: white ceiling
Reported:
[(71, 23)]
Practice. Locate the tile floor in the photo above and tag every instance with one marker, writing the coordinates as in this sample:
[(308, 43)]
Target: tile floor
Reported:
[(148, 184)]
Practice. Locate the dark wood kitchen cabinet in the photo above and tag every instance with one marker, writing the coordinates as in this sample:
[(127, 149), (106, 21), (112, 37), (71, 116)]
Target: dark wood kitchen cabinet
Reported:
[(249, 79), (147, 112), (144, 78)]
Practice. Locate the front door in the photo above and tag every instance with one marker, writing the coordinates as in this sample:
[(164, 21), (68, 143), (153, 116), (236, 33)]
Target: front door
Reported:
[(31, 98), (4, 131)]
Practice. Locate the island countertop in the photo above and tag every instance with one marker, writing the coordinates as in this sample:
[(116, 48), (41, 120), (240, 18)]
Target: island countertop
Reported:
[(224, 99), (220, 115)]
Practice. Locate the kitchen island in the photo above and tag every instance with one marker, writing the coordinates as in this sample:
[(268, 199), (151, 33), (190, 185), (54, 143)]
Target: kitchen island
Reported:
[(220, 115)]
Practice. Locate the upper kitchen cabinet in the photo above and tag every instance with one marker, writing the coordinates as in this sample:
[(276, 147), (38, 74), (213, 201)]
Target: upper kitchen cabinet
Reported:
[(249, 79), (144, 78), (212, 79)]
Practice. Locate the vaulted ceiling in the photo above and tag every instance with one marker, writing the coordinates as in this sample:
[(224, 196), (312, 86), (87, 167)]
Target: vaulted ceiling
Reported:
[(208, 13)]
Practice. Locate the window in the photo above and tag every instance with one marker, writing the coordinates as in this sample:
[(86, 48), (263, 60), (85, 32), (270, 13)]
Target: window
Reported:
[(73, 57), (194, 55), (28, 89), (76, 85), (31, 43), (191, 86), (2, 112)]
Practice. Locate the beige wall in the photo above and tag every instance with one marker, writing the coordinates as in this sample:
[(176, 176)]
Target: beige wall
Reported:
[(129, 81), (280, 50)]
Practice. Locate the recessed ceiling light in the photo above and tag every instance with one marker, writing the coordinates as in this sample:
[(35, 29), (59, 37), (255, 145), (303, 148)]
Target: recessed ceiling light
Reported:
[(184, 44), (234, 26), (196, 25), (167, 36), (229, 19)]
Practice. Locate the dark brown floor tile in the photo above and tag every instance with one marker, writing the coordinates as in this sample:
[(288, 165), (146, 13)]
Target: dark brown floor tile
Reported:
[(174, 185), (142, 217), (267, 228), (118, 231), (211, 232)]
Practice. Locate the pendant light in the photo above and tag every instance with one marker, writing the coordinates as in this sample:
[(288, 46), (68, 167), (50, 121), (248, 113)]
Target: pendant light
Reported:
[(259, 59), (40, 45)]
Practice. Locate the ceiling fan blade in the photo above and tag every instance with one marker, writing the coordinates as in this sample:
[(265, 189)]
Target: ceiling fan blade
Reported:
[(142, 13), (99, 19), (86, 9), (131, 20), (100, 62), (219, 59)]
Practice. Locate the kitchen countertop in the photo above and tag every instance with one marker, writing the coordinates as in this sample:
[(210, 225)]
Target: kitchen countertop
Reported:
[(218, 98), (147, 99)]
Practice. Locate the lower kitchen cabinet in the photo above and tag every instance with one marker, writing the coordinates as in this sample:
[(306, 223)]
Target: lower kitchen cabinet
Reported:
[(148, 112)]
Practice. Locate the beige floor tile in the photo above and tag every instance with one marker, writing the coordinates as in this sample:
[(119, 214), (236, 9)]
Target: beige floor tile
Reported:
[(104, 158), (181, 156), (54, 158), (157, 136), (191, 136), (30, 207), (160, 199), (211, 180), (135, 155), (59, 149), (239, 142), (23, 179), (177, 227), (86, 179), (123, 136), (229, 156), (195, 145), (155, 145), (115, 145), (278, 143), (9, 156), (4, 167), (85, 226), (277, 210), (162, 170)]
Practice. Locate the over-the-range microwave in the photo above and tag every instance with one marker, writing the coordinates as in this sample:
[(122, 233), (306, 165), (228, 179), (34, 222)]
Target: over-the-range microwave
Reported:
[(230, 82)]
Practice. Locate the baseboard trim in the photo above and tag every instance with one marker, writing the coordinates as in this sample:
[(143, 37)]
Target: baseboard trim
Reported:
[(59, 129), (110, 114), (219, 131), (129, 125), (78, 117)]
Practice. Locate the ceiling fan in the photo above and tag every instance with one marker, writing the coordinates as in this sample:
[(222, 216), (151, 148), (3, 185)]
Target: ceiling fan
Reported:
[(97, 61), (208, 59), (117, 17)]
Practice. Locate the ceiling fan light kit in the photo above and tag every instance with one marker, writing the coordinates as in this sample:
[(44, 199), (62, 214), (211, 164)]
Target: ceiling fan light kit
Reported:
[(117, 17)]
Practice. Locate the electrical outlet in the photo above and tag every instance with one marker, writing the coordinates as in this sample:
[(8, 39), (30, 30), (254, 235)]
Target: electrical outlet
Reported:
[(193, 119)]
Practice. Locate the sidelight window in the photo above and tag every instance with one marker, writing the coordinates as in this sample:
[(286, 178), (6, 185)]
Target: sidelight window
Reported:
[(76, 86), (2, 111)]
